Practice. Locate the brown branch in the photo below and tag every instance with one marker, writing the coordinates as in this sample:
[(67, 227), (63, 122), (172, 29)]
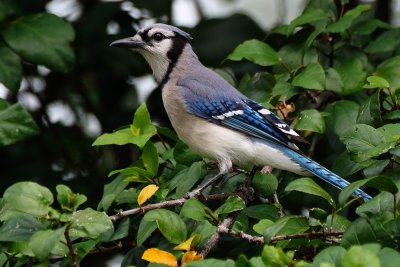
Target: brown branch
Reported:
[(281, 213), (259, 240), (213, 240), (167, 203), (72, 251)]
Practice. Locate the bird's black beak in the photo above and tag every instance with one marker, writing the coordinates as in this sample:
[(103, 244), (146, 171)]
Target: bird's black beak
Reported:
[(128, 43)]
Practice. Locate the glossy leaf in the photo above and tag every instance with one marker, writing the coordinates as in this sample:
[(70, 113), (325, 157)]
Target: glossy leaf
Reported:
[(370, 111), (263, 224), (310, 120), (389, 70), (90, 223), (187, 178), (352, 73), (257, 52), (146, 228), (345, 22), (19, 228), (385, 42), (187, 244), (169, 224), (307, 17), (233, 203), (42, 39), (29, 197), (196, 210), (67, 199), (44, 241), (16, 124), (308, 186), (359, 256), (150, 158), (190, 256), (10, 68), (376, 82), (331, 255), (313, 77), (284, 226)]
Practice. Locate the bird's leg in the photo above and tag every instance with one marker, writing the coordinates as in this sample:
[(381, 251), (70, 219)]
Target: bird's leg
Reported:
[(202, 186)]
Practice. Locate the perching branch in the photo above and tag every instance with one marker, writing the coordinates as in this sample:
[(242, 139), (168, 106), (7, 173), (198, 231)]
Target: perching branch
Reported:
[(213, 240), (259, 240), (167, 203)]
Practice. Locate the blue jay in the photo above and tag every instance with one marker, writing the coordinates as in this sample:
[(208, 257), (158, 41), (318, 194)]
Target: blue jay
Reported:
[(212, 117)]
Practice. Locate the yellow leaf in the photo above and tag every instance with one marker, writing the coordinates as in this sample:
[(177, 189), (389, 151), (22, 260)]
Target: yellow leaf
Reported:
[(146, 193), (160, 256), (134, 130), (186, 245), (191, 256)]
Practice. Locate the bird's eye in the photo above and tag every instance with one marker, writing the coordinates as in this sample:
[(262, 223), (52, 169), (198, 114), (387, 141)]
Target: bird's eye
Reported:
[(158, 36)]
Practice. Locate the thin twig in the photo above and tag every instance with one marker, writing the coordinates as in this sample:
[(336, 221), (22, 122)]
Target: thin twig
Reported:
[(72, 251), (260, 239), (213, 240), (167, 203)]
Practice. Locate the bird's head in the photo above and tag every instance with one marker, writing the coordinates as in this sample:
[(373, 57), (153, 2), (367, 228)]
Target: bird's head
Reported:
[(160, 44)]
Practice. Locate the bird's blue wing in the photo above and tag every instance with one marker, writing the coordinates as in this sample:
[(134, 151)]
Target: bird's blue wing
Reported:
[(242, 115)]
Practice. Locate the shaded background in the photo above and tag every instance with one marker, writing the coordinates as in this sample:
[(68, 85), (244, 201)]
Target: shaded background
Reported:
[(107, 84)]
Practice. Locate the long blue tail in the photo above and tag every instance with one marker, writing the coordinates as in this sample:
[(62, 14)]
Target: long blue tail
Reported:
[(323, 173)]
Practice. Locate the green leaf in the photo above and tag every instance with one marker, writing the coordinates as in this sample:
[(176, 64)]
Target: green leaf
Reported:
[(10, 68), (306, 18), (359, 256), (273, 256), (313, 77), (169, 224), (19, 228), (379, 205), (352, 73), (389, 257), (376, 82), (90, 223), (196, 210), (7, 8), (257, 52), (284, 226), (187, 178), (67, 199), (233, 203), (345, 22), (389, 70), (359, 232), (265, 183), (385, 42), (43, 242), (142, 118), (184, 155), (29, 197), (342, 116), (310, 120), (146, 228), (210, 262), (125, 136), (121, 231), (111, 192), (330, 255), (365, 141), (150, 158), (333, 81), (370, 111), (16, 124), (308, 186), (42, 39), (262, 211), (263, 224)]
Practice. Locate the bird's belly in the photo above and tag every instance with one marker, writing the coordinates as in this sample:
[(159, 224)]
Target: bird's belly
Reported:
[(220, 143)]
